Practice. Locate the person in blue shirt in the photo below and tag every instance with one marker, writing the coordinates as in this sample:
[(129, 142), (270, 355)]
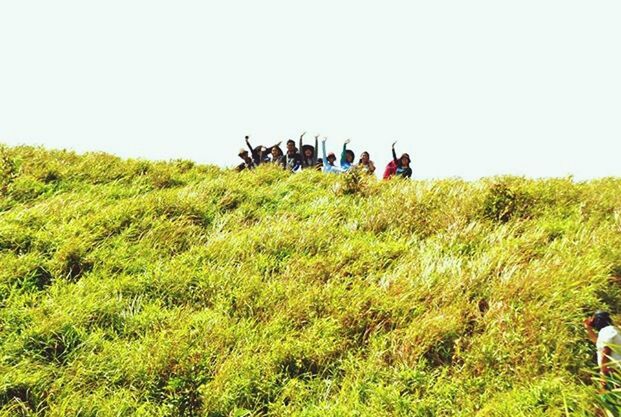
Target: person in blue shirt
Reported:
[(329, 160), (347, 157)]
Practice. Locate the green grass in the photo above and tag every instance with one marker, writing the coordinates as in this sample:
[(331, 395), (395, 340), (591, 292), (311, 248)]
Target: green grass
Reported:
[(133, 288)]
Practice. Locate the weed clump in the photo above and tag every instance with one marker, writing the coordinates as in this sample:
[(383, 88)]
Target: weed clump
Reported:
[(504, 202)]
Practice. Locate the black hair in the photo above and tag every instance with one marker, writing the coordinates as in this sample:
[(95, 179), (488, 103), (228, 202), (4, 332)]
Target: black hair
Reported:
[(280, 153), (291, 141), (601, 319)]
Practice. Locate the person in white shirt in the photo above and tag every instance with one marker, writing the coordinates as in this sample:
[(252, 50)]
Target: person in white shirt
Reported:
[(608, 343)]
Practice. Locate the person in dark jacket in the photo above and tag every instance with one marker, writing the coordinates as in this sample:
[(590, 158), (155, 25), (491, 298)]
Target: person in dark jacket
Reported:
[(319, 165), (399, 167), (293, 160), (248, 162), (309, 153), (260, 154)]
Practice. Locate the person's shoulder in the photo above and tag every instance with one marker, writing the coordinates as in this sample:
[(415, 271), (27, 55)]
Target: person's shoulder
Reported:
[(607, 334)]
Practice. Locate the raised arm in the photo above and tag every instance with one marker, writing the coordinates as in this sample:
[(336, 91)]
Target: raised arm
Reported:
[(394, 154), (323, 149), (316, 154), (301, 142), (273, 146), (249, 146), (344, 152)]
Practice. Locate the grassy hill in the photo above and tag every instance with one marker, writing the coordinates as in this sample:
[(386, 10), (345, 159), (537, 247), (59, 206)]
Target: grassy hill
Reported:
[(132, 288)]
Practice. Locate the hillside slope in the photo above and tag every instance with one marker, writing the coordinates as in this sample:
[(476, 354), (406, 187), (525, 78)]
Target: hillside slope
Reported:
[(169, 289)]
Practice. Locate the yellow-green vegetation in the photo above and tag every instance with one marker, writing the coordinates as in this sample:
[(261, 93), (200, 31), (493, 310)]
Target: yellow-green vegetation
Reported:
[(133, 288)]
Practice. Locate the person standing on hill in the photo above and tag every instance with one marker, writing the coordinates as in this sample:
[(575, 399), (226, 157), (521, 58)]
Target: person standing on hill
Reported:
[(293, 160), (366, 164), (260, 154), (329, 160), (608, 343), (347, 157), (248, 162), (399, 167), (309, 153)]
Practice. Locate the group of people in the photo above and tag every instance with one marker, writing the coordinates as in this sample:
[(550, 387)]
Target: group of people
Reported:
[(306, 156)]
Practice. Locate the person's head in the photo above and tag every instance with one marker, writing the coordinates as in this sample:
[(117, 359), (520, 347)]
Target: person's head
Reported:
[(276, 152), (331, 158), (600, 320), (365, 158), (290, 146), (405, 160), (350, 156), (308, 151), (260, 152), (243, 154)]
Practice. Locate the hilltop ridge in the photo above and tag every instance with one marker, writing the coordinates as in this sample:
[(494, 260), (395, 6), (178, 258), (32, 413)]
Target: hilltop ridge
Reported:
[(130, 287)]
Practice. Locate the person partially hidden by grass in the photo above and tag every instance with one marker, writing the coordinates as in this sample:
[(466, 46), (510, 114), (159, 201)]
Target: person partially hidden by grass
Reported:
[(608, 343), (401, 165), (309, 153), (398, 166), (277, 156), (260, 154), (293, 160), (248, 162), (347, 157), (366, 164), (329, 160)]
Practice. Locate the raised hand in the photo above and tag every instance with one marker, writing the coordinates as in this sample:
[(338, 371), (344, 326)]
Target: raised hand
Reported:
[(302, 135), (394, 143), (347, 141), (317, 136), (325, 138)]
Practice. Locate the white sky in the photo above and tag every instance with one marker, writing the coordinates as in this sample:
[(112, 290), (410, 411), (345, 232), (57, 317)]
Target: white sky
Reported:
[(469, 88)]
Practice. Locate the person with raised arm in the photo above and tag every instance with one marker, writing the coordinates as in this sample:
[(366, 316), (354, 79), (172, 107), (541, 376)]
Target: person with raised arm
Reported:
[(247, 163), (260, 154), (329, 160), (347, 157), (399, 167), (310, 154), (293, 160)]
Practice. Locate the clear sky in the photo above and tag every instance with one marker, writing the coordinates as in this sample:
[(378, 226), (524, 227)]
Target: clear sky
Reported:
[(469, 88)]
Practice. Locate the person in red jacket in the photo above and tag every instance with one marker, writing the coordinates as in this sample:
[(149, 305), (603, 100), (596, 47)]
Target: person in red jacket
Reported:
[(398, 166)]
